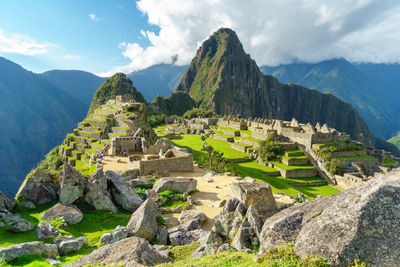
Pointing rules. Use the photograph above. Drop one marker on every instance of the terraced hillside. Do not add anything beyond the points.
(94, 134)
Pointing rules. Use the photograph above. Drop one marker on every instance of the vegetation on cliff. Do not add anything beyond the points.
(395, 140)
(176, 103)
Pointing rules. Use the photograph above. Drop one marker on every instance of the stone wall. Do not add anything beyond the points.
(126, 143)
(299, 173)
(182, 162)
(349, 180)
(368, 162)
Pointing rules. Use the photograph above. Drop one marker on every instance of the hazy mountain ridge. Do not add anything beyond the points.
(35, 116)
(366, 86)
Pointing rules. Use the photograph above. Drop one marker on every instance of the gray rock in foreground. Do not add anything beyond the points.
(39, 187)
(21, 226)
(132, 251)
(70, 213)
(121, 191)
(46, 230)
(143, 221)
(30, 248)
(7, 202)
(72, 185)
(360, 223)
(180, 185)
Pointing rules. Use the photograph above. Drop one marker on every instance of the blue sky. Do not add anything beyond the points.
(104, 37)
(73, 39)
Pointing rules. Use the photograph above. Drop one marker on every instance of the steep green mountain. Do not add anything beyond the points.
(35, 116)
(395, 140)
(223, 77)
(78, 83)
(372, 89)
(157, 80)
(176, 103)
(118, 84)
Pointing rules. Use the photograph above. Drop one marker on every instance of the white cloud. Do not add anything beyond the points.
(93, 17)
(72, 57)
(273, 32)
(21, 44)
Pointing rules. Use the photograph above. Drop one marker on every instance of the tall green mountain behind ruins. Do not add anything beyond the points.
(223, 77)
(118, 84)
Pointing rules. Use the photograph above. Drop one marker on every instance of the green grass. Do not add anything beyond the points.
(389, 161)
(294, 167)
(250, 138)
(295, 157)
(97, 143)
(86, 132)
(243, 145)
(108, 109)
(170, 204)
(89, 171)
(356, 157)
(278, 256)
(86, 138)
(119, 134)
(193, 142)
(90, 151)
(280, 184)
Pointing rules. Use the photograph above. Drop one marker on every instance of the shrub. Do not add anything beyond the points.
(198, 113)
(334, 166)
(269, 148)
(160, 220)
(156, 120)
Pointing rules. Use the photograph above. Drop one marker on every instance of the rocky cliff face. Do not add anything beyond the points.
(223, 77)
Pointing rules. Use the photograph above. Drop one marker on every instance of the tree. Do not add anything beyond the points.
(269, 148)
(206, 147)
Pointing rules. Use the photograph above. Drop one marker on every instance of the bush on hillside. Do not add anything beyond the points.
(334, 166)
(269, 148)
(198, 113)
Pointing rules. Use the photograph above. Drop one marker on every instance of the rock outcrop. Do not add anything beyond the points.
(360, 223)
(180, 185)
(257, 194)
(72, 185)
(143, 222)
(130, 252)
(30, 248)
(191, 219)
(122, 193)
(21, 226)
(97, 195)
(72, 245)
(39, 187)
(7, 202)
(118, 234)
(70, 213)
(46, 230)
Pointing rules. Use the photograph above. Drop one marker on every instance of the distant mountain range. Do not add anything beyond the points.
(373, 89)
(35, 114)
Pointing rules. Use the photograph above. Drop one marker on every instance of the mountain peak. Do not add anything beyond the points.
(118, 84)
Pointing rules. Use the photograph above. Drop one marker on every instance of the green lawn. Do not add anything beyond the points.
(281, 184)
(356, 157)
(93, 226)
(389, 161)
(295, 167)
(193, 142)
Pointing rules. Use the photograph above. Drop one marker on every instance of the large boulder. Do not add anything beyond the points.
(191, 219)
(248, 233)
(118, 234)
(97, 195)
(180, 185)
(30, 248)
(143, 222)
(129, 252)
(360, 223)
(21, 226)
(70, 213)
(257, 194)
(180, 236)
(46, 230)
(226, 225)
(121, 191)
(72, 245)
(7, 202)
(72, 185)
(38, 187)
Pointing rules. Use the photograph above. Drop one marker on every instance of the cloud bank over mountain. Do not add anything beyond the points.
(273, 32)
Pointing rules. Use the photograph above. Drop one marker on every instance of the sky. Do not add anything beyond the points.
(108, 36)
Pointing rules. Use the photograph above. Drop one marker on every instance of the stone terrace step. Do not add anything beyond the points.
(90, 128)
(101, 117)
(107, 111)
(120, 130)
(294, 153)
(295, 161)
(95, 135)
(97, 123)
(115, 135)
